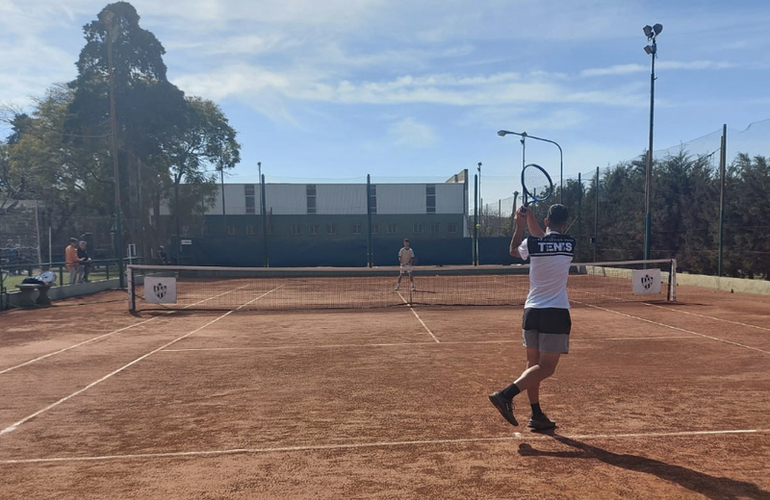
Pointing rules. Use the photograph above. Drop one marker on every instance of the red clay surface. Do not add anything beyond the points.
(654, 401)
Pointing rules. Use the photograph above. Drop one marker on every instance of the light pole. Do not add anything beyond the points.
(263, 209)
(524, 135)
(481, 199)
(113, 30)
(652, 33)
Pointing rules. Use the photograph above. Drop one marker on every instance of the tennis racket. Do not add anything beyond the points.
(536, 184)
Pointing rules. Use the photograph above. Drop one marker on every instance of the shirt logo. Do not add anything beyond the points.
(555, 246)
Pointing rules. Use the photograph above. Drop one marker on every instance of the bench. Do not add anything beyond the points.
(27, 298)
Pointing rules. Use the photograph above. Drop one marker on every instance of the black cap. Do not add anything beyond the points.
(557, 214)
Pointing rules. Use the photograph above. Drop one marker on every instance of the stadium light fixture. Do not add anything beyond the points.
(651, 32)
(524, 135)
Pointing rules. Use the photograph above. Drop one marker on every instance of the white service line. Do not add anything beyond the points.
(40, 358)
(709, 317)
(15, 425)
(517, 436)
(409, 344)
(681, 329)
(423, 323)
(411, 308)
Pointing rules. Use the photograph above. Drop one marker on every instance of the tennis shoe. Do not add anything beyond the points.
(504, 406)
(541, 423)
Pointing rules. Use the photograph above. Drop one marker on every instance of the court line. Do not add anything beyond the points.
(411, 308)
(407, 344)
(709, 317)
(6, 370)
(167, 312)
(15, 425)
(517, 436)
(725, 341)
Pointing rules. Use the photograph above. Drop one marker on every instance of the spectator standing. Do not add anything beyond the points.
(84, 261)
(71, 259)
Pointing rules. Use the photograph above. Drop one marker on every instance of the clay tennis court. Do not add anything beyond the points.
(655, 400)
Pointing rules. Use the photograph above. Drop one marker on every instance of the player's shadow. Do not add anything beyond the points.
(717, 488)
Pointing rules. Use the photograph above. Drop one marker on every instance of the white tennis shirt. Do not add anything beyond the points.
(550, 258)
(405, 256)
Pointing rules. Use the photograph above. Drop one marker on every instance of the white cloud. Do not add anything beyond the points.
(625, 69)
(409, 132)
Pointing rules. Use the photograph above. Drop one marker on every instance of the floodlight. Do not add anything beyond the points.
(649, 49)
(657, 28)
(648, 31)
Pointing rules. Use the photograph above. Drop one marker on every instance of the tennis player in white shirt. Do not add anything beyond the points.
(405, 261)
(546, 323)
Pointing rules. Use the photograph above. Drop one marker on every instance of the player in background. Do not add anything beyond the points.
(405, 261)
(546, 323)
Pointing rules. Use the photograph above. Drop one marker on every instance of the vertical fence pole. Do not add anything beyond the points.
(475, 255)
(369, 257)
(722, 168)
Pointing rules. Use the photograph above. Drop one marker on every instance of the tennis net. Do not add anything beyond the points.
(241, 288)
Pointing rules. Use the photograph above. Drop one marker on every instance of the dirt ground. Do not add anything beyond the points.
(655, 400)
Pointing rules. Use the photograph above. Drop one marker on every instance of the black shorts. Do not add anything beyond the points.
(549, 320)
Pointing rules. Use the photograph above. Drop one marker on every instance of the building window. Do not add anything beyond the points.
(250, 229)
(430, 198)
(373, 198)
(392, 228)
(356, 229)
(451, 228)
(434, 228)
(312, 229)
(311, 199)
(296, 229)
(375, 229)
(231, 230)
(417, 229)
(250, 201)
(331, 228)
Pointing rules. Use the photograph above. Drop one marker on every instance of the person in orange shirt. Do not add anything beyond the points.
(71, 257)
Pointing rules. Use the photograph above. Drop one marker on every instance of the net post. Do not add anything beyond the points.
(131, 289)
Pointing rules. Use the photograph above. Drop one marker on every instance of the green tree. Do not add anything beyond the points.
(68, 179)
(747, 230)
(205, 145)
(162, 136)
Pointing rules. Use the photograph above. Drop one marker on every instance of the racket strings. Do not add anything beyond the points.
(536, 183)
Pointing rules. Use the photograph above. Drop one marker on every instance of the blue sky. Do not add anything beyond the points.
(337, 89)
